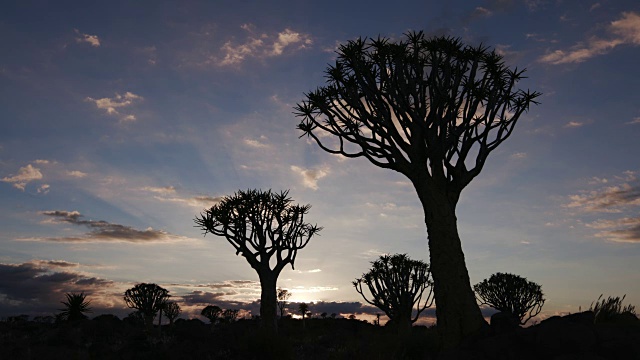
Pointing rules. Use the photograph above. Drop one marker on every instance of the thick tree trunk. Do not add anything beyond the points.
(457, 312)
(268, 302)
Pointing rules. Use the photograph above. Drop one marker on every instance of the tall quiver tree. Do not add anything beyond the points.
(148, 299)
(268, 230)
(397, 285)
(431, 109)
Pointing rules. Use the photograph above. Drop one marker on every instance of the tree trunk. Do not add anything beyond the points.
(458, 314)
(268, 302)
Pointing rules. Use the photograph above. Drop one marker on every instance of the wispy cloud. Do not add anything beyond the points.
(634, 121)
(77, 174)
(257, 143)
(93, 40)
(624, 31)
(261, 45)
(574, 124)
(310, 177)
(25, 175)
(609, 199)
(625, 230)
(163, 190)
(111, 105)
(518, 155)
(103, 231)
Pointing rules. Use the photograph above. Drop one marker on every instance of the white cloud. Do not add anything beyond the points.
(262, 45)
(91, 39)
(310, 177)
(518, 155)
(594, 6)
(634, 121)
(24, 176)
(624, 31)
(254, 143)
(77, 174)
(111, 105)
(41, 162)
(44, 189)
(574, 124)
(163, 190)
(625, 230)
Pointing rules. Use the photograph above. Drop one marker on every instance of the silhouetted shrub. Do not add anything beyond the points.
(606, 310)
(511, 293)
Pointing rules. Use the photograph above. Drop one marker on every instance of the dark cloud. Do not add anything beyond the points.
(198, 297)
(56, 263)
(103, 231)
(33, 288)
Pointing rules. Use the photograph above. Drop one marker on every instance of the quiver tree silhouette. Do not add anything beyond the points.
(303, 308)
(229, 315)
(265, 227)
(148, 299)
(397, 285)
(283, 296)
(431, 109)
(74, 308)
(171, 311)
(511, 293)
(213, 313)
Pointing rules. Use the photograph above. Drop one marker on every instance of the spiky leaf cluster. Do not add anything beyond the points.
(511, 293)
(75, 307)
(607, 309)
(147, 298)
(397, 285)
(260, 224)
(416, 103)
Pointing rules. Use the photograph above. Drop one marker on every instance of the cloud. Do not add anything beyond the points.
(310, 177)
(77, 174)
(36, 287)
(610, 199)
(195, 201)
(90, 39)
(44, 189)
(518, 155)
(624, 230)
(111, 105)
(262, 46)
(574, 124)
(256, 143)
(624, 31)
(164, 190)
(102, 230)
(634, 121)
(23, 177)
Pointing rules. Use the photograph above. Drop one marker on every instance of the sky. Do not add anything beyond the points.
(121, 121)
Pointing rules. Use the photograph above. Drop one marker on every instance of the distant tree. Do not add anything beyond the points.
(323, 315)
(229, 315)
(148, 299)
(213, 313)
(265, 228)
(511, 293)
(283, 296)
(397, 285)
(431, 109)
(303, 308)
(171, 311)
(333, 315)
(75, 307)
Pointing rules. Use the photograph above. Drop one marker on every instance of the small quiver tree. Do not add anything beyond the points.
(283, 296)
(171, 311)
(213, 313)
(397, 285)
(268, 230)
(148, 299)
(74, 308)
(511, 293)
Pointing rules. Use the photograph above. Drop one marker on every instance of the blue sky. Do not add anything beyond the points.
(120, 122)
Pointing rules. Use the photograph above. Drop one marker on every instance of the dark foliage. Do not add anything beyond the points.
(74, 308)
(511, 293)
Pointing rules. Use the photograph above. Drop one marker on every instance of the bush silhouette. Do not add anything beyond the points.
(511, 293)
(606, 310)
(397, 285)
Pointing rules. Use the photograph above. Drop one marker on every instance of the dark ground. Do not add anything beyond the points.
(107, 337)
